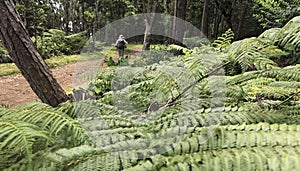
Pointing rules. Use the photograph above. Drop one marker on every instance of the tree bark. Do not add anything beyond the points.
(26, 57)
(204, 23)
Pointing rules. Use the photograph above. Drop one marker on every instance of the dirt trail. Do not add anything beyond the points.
(15, 91)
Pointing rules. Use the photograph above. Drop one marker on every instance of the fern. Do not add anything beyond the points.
(270, 34)
(288, 37)
(251, 54)
(17, 137)
(222, 42)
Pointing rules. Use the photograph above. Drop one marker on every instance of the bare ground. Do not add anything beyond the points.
(15, 90)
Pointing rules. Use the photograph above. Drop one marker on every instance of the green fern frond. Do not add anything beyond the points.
(178, 48)
(288, 37)
(222, 42)
(49, 119)
(270, 34)
(234, 142)
(251, 54)
(245, 159)
(284, 74)
(19, 138)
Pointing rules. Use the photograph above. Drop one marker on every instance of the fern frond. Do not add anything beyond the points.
(284, 74)
(270, 34)
(222, 42)
(19, 137)
(49, 119)
(251, 54)
(263, 158)
(288, 37)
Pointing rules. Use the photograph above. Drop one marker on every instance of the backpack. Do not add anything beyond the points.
(121, 44)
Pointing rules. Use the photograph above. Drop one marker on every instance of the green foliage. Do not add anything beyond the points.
(4, 57)
(56, 42)
(195, 42)
(155, 55)
(173, 49)
(3, 51)
(110, 62)
(102, 83)
(271, 13)
(122, 62)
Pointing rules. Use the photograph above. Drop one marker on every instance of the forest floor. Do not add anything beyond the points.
(15, 90)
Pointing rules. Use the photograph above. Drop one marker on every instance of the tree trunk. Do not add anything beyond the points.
(149, 10)
(242, 19)
(149, 22)
(175, 19)
(204, 23)
(178, 28)
(67, 17)
(167, 6)
(217, 21)
(82, 13)
(17, 41)
(95, 24)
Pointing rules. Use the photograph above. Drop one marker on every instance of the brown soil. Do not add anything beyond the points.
(15, 90)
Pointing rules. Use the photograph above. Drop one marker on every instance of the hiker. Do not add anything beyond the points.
(121, 45)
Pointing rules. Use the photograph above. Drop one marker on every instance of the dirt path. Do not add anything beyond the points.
(15, 91)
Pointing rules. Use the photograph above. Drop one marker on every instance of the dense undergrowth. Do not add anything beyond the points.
(229, 106)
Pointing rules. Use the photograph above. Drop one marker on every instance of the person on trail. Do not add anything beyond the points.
(121, 45)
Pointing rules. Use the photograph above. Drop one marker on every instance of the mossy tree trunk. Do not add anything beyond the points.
(26, 57)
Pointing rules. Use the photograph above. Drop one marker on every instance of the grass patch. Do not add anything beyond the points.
(10, 68)
(61, 61)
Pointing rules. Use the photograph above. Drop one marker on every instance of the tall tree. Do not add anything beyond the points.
(23, 52)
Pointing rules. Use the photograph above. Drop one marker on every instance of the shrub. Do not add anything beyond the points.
(55, 42)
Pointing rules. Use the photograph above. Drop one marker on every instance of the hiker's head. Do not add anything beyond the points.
(121, 37)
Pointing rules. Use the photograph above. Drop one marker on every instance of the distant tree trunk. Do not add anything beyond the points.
(95, 24)
(217, 21)
(149, 11)
(83, 17)
(178, 28)
(204, 23)
(67, 17)
(242, 19)
(226, 11)
(17, 41)
(149, 22)
(167, 6)
(175, 19)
